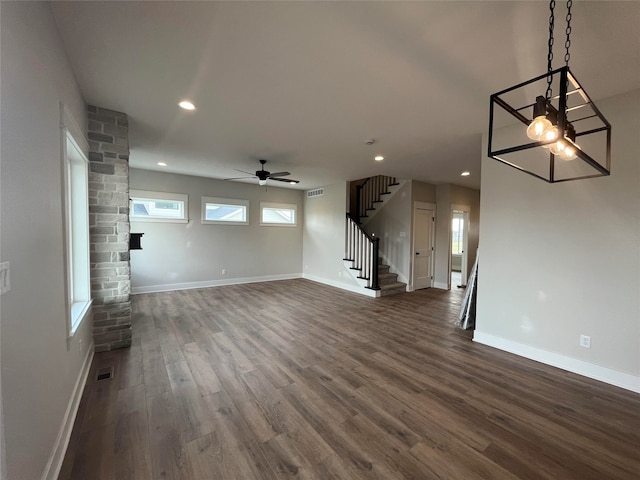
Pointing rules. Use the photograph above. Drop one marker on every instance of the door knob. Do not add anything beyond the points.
(417, 253)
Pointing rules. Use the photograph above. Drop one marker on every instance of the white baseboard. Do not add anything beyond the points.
(56, 458)
(590, 370)
(351, 288)
(443, 286)
(211, 283)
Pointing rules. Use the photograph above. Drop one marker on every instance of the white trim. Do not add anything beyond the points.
(170, 287)
(586, 369)
(75, 222)
(67, 121)
(343, 286)
(54, 464)
(443, 286)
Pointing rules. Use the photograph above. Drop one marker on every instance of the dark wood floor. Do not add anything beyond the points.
(293, 379)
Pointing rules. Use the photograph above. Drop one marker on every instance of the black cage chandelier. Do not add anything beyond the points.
(557, 137)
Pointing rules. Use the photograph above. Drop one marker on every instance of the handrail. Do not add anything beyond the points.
(363, 251)
(369, 192)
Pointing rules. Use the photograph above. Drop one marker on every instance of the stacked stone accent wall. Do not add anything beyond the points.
(108, 134)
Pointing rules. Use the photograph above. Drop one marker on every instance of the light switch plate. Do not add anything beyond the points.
(5, 279)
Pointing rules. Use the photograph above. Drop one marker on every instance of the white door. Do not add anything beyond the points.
(423, 222)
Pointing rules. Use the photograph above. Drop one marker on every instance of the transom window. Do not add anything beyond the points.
(283, 214)
(217, 210)
(147, 206)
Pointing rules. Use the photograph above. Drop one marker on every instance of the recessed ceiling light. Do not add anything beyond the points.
(162, 164)
(378, 158)
(465, 174)
(187, 105)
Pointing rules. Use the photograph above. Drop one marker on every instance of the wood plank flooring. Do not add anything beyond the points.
(294, 379)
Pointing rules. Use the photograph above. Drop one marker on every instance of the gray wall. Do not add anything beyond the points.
(447, 197)
(40, 368)
(178, 255)
(562, 260)
(324, 238)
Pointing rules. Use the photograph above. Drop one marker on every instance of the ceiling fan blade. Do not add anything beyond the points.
(248, 173)
(287, 180)
(238, 178)
(279, 174)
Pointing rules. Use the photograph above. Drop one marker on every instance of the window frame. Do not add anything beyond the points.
(457, 235)
(231, 202)
(75, 208)
(152, 195)
(282, 206)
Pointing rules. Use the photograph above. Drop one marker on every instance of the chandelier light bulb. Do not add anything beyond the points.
(549, 135)
(558, 147)
(569, 153)
(537, 127)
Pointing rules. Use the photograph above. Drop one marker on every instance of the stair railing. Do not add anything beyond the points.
(370, 192)
(362, 250)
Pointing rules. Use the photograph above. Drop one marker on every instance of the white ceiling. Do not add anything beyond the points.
(303, 84)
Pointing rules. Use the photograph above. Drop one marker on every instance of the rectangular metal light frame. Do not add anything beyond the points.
(565, 77)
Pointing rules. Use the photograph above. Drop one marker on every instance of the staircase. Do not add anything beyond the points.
(362, 249)
(388, 282)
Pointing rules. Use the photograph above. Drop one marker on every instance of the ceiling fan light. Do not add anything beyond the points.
(186, 105)
(262, 182)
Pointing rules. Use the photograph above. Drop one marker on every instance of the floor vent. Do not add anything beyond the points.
(318, 192)
(104, 374)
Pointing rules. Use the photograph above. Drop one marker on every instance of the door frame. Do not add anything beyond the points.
(466, 209)
(423, 206)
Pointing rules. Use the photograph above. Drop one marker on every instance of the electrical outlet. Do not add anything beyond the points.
(5, 279)
(585, 341)
(224, 271)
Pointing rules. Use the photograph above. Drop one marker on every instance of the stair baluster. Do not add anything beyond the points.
(362, 250)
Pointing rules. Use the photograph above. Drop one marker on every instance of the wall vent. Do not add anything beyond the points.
(318, 192)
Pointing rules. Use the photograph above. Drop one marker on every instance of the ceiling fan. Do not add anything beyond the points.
(263, 175)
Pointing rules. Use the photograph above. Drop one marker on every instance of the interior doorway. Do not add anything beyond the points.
(458, 248)
(424, 216)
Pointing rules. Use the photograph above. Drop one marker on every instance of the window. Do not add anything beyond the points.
(76, 223)
(225, 211)
(283, 214)
(158, 207)
(457, 233)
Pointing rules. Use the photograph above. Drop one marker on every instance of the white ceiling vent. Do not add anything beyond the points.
(318, 192)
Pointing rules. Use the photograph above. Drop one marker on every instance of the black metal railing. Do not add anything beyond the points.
(362, 250)
(370, 192)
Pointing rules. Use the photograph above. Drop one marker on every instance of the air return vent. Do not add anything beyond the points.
(318, 192)
(104, 374)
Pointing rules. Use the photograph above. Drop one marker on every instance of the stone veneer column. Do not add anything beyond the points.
(109, 228)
